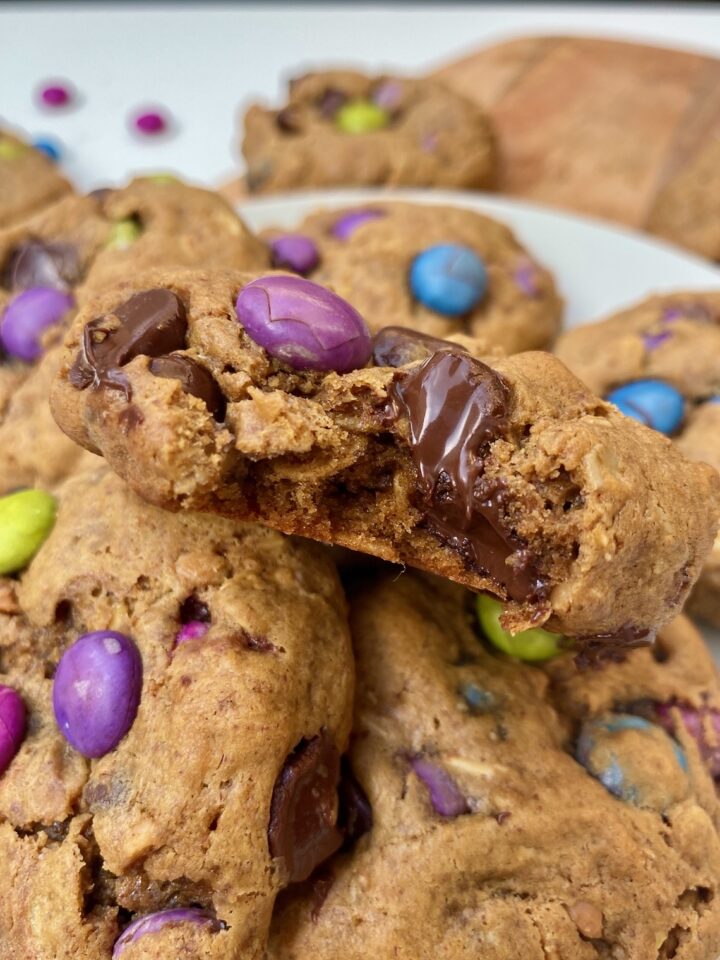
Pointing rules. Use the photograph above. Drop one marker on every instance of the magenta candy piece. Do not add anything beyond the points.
(191, 631)
(387, 94)
(445, 795)
(653, 340)
(27, 315)
(153, 922)
(526, 277)
(293, 251)
(303, 324)
(696, 723)
(347, 224)
(56, 95)
(12, 725)
(150, 123)
(96, 691)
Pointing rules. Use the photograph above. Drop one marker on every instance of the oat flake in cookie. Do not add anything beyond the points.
(387, 259)
(512, 811)
(216, 739)
(507, 475)
(340, 128)
(659, 361)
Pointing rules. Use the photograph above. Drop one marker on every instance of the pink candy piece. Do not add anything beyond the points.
(191, 631)
(702, 725)
(56, 95)
(150, 123)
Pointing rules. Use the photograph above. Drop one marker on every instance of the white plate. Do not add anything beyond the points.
(599, 268)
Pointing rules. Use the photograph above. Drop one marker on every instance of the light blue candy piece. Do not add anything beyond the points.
(653, 402)
(599, 733)
(448, 278)
(51, 148)
(477, 699)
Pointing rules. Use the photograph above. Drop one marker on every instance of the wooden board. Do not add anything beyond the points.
(598, 126)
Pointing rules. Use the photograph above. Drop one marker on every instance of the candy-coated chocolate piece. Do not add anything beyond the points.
(56, 94)
(532, 645)
(27, 316)
(346, 225)
(51, 148)
(445, 795)
(124, 233)
(361, 116)
(655, 403)
(12, 725)
(294, 251)
(26, 519)
(154, 922)
(448, 278)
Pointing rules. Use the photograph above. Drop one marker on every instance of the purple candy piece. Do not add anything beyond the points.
(526, 278)
(96, 691)
(696, 722)
(150, 123)
(304, 324)
(445, 795)
(153, 922)
(429, 142)
(347, 224)
(27, 315)
(55, 95)
(653, 340)
(293, 251)
(388, 94)
(12, 725)
(191, 631)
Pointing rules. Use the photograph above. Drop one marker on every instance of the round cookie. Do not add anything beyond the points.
(29, 180)
(78, 246)
(370, 256)
(224, 789)
(485, 825)
(673, 339)
(343, 128)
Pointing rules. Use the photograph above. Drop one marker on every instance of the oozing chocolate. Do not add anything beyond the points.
(303, 813)
(35, 263)
(194, 379)
(396, 346)
(456, 406)
(152, 324)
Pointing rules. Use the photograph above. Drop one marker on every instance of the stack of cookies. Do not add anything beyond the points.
(338, 617)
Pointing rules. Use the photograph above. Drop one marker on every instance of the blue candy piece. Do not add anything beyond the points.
(50, 148)
(448, 278)
(477, 699)
(633, 779)
(653, 402)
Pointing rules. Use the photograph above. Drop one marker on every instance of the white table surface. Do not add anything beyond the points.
(202, 62)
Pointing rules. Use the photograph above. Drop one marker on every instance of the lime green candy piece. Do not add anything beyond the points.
(26, 519)
(533, 645)
(361, 116)
(124, 233)
(162, 178)
(11, 149)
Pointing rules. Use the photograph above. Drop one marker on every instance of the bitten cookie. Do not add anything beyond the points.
(659, 361)
(29, 180)
(439, 270)
(506, 811)
(343, 128)
(175, 692)
(54, 260)
(506, 475)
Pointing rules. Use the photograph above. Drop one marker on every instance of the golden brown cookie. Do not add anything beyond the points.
(343, 128)
(507, 475)
(28, 180)
(663, 355)
(224, 788)
(369, 255)
(504, 810)
(79, 245)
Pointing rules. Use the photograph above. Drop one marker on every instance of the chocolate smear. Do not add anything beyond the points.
(152, 323)
(397, 346)
(303, 812)
(35, 263)
(194, 379)
(456, 407)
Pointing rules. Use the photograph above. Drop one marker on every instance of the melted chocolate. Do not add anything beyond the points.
(194, 379)
(35, 263)
(397, 346)
(303, 812)
(193, 608)
(456, 406)
(152, 323)
(601, 648)
(355, 817)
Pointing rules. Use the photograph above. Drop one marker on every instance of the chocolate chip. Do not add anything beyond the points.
(194, 609)
(456, 407)
(302, 830)
(35, 263)
(397, 346)
(330, 102)
(355, 817)
(289, 120)
(194, 379)
(152, 323)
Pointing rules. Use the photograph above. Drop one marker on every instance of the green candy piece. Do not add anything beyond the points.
(26, 519)
(533, 645)
(10, 150)
(124, 233)
(361, 116)
(162, 178)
